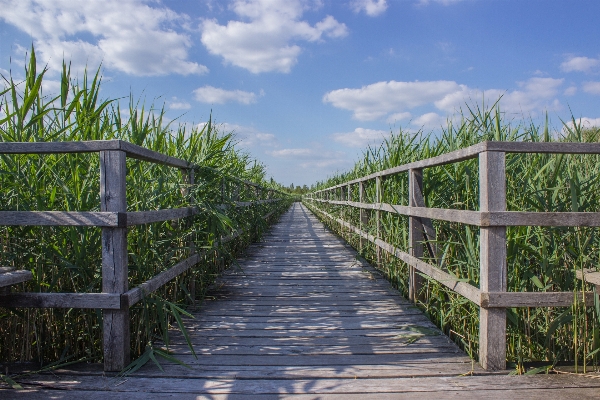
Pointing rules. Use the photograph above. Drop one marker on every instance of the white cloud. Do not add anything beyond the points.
(383, 98)
(570, 91)
(310, 158)
(212, 95)
(249, 136)
(591, 87)
(128, 36)
(266, 40)
(429, 121)
(360, 137)
(371, 7)
(398, 117)
(580, 64)
(584, 122)
(176, 104)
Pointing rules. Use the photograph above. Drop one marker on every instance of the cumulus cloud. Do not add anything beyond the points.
(570, 91)
(372, 8)
(360, 137)
(429, 120)
(249, 136)
(378, 99)
(398, 117)
(396, 98)
(128, 36)
(591, 87)
(176, 104)
(213, 95)
(580, 64)
(265, 39)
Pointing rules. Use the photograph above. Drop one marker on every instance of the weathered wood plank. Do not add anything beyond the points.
(13, 277)
(493, 270)
(116, 332)
(63, 218)
(62, 300)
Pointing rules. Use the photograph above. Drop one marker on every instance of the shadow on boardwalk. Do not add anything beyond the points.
(302, 317)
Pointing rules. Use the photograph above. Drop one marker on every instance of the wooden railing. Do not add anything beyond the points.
(113, 218)
(492, 218)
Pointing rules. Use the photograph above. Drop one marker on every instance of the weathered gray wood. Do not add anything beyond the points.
(378, 199)
(493, 270)
(8, 278)
(62, 218)
(363, 216)
(141, 153)
(533, 299)
(591, 276)
(114, 260)
(62, 300)
(136, 294)
(148, 217)
(523, 387)
(416, 233)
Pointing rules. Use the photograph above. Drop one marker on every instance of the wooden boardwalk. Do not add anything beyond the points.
(302, 317)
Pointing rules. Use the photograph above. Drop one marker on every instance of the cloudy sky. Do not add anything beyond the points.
(306, 85)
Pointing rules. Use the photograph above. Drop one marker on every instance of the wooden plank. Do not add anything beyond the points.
(435, 387)
(136, 294)
(61, 300)
(416, 233)
(116, 334)
(493, 269)
(591, 276)
(13, 277)
(58, 147)
(522, 218)
(148, 217)
(63, 218)
(141, 153)
(533, 299)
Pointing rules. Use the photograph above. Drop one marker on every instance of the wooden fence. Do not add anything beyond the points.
(113, 218)
(492, 218)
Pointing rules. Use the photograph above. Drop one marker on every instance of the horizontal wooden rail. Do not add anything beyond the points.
(106, 218)
(492, 218)
(481, 218)
(474, 150)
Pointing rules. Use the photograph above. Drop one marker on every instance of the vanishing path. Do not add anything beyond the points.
(301, 315)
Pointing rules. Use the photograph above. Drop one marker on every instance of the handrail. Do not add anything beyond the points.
(492, 218)
(113, 218)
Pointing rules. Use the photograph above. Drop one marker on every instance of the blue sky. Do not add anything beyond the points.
(306, 85)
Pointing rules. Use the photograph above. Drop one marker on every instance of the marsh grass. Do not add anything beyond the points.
(539, 258)
(68, 259)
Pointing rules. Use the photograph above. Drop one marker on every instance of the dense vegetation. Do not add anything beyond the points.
(539, 258)
(68, 259)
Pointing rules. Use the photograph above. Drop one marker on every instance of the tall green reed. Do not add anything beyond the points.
(68, 259)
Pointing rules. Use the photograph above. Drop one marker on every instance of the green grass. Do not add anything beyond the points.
(539, 258)
(68, 259)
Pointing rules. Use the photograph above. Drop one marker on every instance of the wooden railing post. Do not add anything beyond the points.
(188, 176)
(363, 218)
(114, 260)
(493, 271)
(378, 199)
(415, 231)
